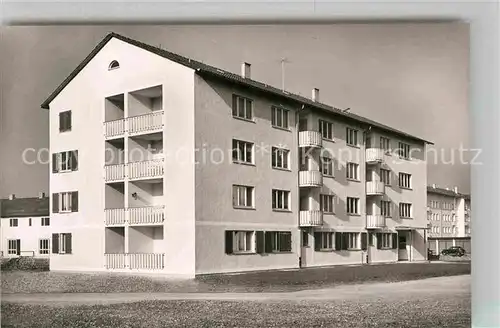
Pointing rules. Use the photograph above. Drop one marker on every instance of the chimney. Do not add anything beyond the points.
(41, 195)
(12, 196)
(315, 94)
(245, 70)
(434, 185)
(456, 190)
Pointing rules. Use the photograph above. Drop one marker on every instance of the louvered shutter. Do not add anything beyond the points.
(317, 241)
(338, 241)
(229, 242)
(55, 243)
(268, 242)
(68, 243)
(55, 203)
(364, 241)
(394, 241)
(379, 240)
(260, 241)
(55, 164)
(74, 201)
(74, 160)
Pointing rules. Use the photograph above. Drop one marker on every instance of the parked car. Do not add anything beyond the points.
(454, 251)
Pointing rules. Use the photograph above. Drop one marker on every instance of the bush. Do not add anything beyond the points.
(25, 264)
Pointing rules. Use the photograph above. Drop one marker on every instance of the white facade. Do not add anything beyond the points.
(155, 186)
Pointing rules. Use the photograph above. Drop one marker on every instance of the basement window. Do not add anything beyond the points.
(113, 65)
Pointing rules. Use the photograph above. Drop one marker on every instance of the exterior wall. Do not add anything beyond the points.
(85, 97)
(438, 215)
(29, 235)
(215, 129)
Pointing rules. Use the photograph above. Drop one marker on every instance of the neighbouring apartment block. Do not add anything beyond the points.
(448, 212)
(164, 164)
(25, 226)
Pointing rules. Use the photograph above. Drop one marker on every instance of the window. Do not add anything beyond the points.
(326, 203)
(404, 150)
(280, 117)
(29, 222)
(352, 171)
(351, 240)
(370, 239)
(352, 205)
(244, 241)
(352, 137)
(280, 199)
(385, 177)
(278, 241)
(385, 208)
(45, 222)
(243, 196)
(325, 240)
(386, 240)
(14, 247)
(65, 202)
(43, 247)
(280, 158)
(13, 222)
(405, 210)
(305, 238)
(61, 243)
(242, 152)
(385, 144)
(326, 129)
(242, 107)
(405, 180)
(65, 121)
(327, 166)
(113, 65)
(65, 161)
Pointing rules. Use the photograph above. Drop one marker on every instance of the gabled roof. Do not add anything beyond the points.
(24, 207)
(445, 192)
(210, 71)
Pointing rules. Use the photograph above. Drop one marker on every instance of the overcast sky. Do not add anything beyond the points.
(410, 76)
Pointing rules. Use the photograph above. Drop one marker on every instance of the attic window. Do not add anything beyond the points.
(114, 65)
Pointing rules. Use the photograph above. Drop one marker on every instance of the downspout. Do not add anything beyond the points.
(297, 119)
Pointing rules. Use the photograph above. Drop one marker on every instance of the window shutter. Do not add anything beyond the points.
(338, 241)
(68, 120)
(394, 241)
(268, 244)
(235, 105)
(379, 240)
(61, 122)
(55, 164)
(260, 241)
(55, 203)
(18, 246)
(229, 242)
(286, 244)
(74, 160)
(68, 243)
(317, 241)
(345, 241)
(74, 201)
(364, 241)
(55, 243)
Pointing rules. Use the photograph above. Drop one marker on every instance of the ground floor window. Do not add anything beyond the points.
(257, 242)
(278, 241)
(43, 246)
(244, 241)
(61, 243)
(352, 240)
(324, 240)
(305, 238)
(14, 246)
(387, 240)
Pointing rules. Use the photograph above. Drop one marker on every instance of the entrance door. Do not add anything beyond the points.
(403, 246)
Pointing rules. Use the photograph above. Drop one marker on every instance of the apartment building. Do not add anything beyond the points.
(164, 164)
(25, 226)
(448, 212)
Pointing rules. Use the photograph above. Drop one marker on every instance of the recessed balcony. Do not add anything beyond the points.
(374, 155)
(114, 216)
(310, 139)
(146, 215)
(375, 188)
(146, 169)
(310, 218)
(114, 172)
(134, 261)
(375, 221)
(145, 123)
(114, 129)
(310, 179)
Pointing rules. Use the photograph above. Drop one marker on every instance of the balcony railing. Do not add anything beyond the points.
(374, 155)
(150, 214)
(135, 261)
(310, 139)
(310, 179)
(310, 218)
(375, 221)
(114, 128)
(146, 169)
(114, 216)
(114, 172)
(375, 188)
(146, 122)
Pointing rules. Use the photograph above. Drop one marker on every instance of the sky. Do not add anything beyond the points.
(413, 77)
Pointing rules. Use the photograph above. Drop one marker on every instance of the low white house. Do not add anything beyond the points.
(25, 226)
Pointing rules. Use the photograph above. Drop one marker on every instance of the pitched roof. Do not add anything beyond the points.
(210, 71)
(445, 192)
(24, 207)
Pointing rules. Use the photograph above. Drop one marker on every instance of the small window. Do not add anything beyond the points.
(326, 203)
(13, 222)
(352, 171)
(280, 158)
(14, 247)
(352, 137)
(44, 246)
(352, 205)
(61, 243)
(242, 107)
(385, 177)
(65, 121)
(327, 166)
(404, 150)
(45, 222)
(405, 210)
(326, 129)
(114, 65)
(280, 118)
(385, 144)
(242, 152)
(405, 180)
(352, 240)
(386, 240)
(305, 238)
(280, 199)
(244, 241)
(243, 196)
(385, 208)
(371, 239)
(325, 240)
(29, 222)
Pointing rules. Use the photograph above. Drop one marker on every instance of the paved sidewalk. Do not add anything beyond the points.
(452, 285)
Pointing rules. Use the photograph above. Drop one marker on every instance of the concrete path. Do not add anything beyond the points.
(424, 288)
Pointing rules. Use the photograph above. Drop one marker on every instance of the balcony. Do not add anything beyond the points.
(146, 215)
(374, 155)
(375, 188)
(114, 172)
(146, 169)
(310, 179)
(310, 139)
(310, 218)
(146, 123)
(375, 221)
(135, 261)
(114, 216)
(114, 129)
